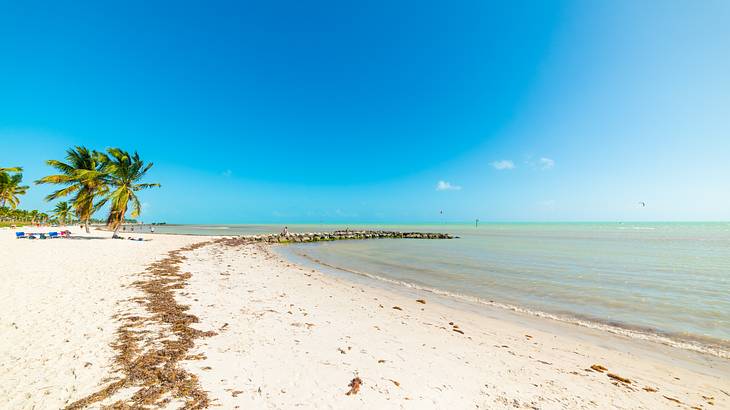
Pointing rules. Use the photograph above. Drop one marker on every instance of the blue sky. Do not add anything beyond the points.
(291, 111)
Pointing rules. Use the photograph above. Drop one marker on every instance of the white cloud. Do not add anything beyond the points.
(447, 186)
(546, 163)
(227, 173)
(503, 164)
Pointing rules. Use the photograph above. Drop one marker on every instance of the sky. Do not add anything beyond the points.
(381, 111)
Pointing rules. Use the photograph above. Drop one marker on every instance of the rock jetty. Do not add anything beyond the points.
(342, 235)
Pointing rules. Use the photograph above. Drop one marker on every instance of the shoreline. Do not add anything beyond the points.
(285, 335)
(360, 318)
(709, 346)
(597, 276)
(669, 353)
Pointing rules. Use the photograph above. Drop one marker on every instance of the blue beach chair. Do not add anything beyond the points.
(20, 235)
(53, 235)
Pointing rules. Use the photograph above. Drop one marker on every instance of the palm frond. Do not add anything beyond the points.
(55, 179)
(136, 206)
(62, 192)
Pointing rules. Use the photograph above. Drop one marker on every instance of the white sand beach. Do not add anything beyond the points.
(59, 299)
(286, 336)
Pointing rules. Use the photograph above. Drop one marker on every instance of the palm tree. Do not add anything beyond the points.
(15, 215)
(62, 212)
(123, 174)
(12, 169)
(83, 176)
(10, 188)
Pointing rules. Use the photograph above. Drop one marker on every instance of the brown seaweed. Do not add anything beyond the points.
(619, 378)
(149, 360)
(354, 386)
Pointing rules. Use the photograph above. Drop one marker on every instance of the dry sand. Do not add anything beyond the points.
(289, 337)
(58, 299)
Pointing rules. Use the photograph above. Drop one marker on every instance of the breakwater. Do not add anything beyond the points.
(297, 237)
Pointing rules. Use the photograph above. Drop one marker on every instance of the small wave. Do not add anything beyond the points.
(711, 348)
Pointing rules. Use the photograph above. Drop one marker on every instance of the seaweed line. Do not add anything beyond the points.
(148, 349)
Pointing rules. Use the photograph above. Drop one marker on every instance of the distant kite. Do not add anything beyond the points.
(441, 212)
(643, 204)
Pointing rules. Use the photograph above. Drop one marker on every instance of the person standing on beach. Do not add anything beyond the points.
(285, 231)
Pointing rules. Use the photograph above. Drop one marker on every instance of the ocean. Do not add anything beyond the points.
(663, 281)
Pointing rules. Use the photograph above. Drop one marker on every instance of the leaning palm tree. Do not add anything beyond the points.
(123, 174)
(83, 175)
(62, 212)
(11, 188)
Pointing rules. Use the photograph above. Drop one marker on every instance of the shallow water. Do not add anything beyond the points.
(665, 279)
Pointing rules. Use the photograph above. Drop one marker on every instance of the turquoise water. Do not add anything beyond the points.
(670, 280)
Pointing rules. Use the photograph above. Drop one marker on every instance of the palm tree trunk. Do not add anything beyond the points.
(86, 224)
(119, 223)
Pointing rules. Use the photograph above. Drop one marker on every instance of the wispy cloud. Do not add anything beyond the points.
(546, 163)
(227, 173)
(447, 186)
(503, 165)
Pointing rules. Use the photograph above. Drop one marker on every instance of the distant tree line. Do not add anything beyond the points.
(90, 179)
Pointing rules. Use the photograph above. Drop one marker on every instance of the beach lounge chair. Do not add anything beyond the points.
(20, 235)
(53, 235)
(42, 236)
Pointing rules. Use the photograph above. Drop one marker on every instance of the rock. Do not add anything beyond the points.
(342, 235)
